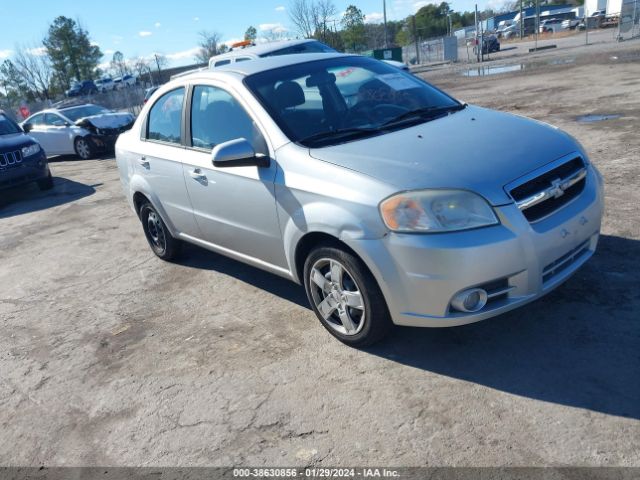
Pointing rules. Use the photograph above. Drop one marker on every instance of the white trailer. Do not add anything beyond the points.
(614, 7)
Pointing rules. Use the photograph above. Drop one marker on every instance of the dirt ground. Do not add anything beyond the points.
(110, 356)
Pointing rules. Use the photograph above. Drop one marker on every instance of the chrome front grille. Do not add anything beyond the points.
(564, 261)
(10, 158)
(546, 193)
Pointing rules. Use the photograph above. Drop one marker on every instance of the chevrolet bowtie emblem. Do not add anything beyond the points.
(557, 188)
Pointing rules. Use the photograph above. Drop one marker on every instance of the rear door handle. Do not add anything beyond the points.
(197, 174)
(143, 162)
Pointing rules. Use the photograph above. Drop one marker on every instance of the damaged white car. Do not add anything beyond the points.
(84, 130)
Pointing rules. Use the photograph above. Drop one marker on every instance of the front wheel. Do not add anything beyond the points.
(160, 240)
(345, 297)
(46, 183)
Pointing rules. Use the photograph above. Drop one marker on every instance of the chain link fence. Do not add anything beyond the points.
(129, 99)
(433, 50)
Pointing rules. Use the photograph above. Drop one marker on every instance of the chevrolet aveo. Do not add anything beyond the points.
(389, 200)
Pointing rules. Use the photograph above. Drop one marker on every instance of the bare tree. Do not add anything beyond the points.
(274, 35)
(141, 66)
(312, 18)
(302, 16)
(118, 64)
(34, 69)
(209, 45)
(323, 12)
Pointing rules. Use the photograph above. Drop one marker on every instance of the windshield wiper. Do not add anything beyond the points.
(425, 113)
(354, 132)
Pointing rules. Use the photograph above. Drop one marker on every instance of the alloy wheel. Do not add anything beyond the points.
(337, 296)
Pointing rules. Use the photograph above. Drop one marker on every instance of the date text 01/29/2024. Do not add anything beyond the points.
(315, 472)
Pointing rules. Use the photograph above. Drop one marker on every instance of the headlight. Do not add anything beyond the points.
(436, 211)
(30, 150)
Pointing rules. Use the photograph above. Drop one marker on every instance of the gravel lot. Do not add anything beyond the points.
(110, 356)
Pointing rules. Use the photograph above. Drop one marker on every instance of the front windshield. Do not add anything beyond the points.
(330, 101)
(76, 113)
(8, 126)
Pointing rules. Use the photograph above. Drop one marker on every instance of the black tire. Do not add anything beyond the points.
(46, 183)
(375, 318)
(160, 240)
(83, 148)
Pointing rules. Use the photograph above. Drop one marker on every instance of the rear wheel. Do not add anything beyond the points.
(160, 240)
(83, 148)
(345, 297)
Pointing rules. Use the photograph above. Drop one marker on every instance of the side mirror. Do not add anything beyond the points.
(237, 153)
(27, 127)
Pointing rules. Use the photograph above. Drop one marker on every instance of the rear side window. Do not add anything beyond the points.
(222, 62)
(53, 120)
(37, 119)
(165, 117)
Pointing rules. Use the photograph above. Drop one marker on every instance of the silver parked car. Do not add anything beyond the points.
(392, 202)
(81, 129)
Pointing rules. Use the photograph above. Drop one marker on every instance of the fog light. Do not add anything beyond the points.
(470, 301)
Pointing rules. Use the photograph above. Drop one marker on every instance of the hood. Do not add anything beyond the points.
(13, 141)
(108, 120)
(473, 149)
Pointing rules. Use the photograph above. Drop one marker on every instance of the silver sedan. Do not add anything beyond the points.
(389, 200)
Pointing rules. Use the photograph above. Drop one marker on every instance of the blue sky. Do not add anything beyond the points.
(141, 27)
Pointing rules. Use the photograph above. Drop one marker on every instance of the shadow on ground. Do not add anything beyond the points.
(578, 346)
(28, 198)
(196, 257)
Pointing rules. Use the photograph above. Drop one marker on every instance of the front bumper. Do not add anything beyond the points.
(27, 171)
(103, 142)
(419, 274)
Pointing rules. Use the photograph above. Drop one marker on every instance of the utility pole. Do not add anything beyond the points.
(384, 13)
(521, 21)
(537, 23)
(415, 37)
(478, 37)
(586, 25)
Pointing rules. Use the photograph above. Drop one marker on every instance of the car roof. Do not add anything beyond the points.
(269, 63)
(262, 48)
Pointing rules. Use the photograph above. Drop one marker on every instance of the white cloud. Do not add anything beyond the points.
(373, 17)
(280, 8)
(272, 27)
(399, 9)
(183, 54)
(94, 44)
(38, 51)
(145, 33)
(109, 52)
(5, 53)
(196, 19)
(157, 24)
(117, 39)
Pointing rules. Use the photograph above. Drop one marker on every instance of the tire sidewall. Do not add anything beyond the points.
(376, 314)
(146, 209)
(88, 142)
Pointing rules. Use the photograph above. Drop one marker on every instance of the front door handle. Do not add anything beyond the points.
(197, 174)
(143, 162)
